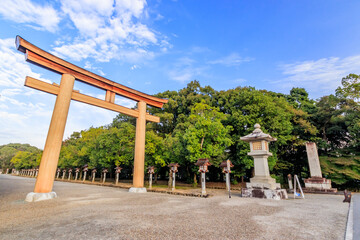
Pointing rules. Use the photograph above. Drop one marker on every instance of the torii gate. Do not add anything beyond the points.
(65, 93)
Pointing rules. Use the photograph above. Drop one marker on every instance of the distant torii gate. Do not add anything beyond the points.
(65, 93)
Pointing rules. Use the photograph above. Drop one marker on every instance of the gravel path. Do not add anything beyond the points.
(95, 212)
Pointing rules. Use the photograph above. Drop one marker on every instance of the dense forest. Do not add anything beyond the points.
(200, 122)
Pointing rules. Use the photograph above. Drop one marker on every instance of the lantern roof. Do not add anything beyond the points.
(203, 162)
(224, 163)
(173, 165)
(257, 134)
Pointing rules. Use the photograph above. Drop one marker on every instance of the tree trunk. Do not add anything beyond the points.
(195, 179)
(155, 178)
(170, 180)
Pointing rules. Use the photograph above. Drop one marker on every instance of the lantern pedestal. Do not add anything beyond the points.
(262, 178)
(263, 182)
(137, 190)
(318, 185)
(35, 197)
(275, 194)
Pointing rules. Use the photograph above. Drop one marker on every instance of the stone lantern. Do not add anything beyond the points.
(93, 172)
(85, 169)
(151, 171)
(58, 173)
(117, 171)
(70, 172)
(64, 173)
(262, 185)
(173, 169)
(203, 164)
(104, 171)
(226, 165)
(77, 170)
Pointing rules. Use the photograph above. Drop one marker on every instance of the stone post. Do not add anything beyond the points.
(63, 176)
(139, 157)
(117, 171)
(93, 175)
(104, 173)
(85, 171)
(117, 179)
(50, 157)
(203, 187)
(150, 181)
(76, 173)
(70, 171)
(313, 159)
(173, 181)
(316, 181)
(227, 175)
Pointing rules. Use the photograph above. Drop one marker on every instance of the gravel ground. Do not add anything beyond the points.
(94, 212)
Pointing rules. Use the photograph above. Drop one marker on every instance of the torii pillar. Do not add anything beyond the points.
(49, 160)
(139, 156)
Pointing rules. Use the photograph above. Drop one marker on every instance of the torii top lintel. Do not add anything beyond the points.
(46, 60)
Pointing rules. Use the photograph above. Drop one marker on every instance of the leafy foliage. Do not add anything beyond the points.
(199, 122)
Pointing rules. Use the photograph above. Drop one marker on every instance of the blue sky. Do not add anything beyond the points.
(155, 45)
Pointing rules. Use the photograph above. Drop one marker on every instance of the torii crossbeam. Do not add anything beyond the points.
(65, 93)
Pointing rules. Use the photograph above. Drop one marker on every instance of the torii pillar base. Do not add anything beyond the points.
(35, 197)
(137, 190)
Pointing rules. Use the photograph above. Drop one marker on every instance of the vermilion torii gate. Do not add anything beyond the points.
(65, 93)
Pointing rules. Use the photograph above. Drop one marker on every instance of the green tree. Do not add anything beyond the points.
(8, 151)
(26, 160)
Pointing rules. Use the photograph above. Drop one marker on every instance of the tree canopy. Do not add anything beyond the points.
(200, 122)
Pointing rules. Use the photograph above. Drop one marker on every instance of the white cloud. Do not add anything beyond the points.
(320, 76)
(13, 67)
(109, 30)
(185, 71)
(90, 67)
(133, 67)
(234, 59)
(43, 17)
